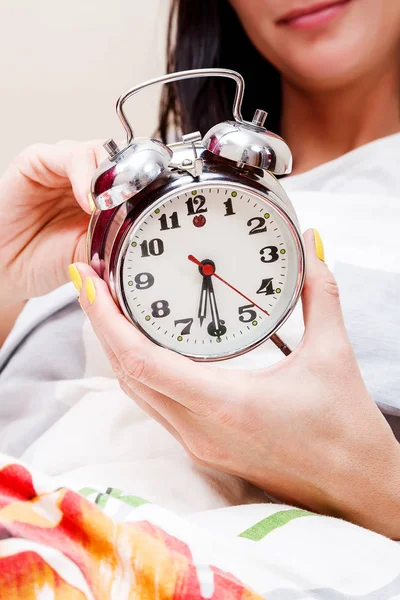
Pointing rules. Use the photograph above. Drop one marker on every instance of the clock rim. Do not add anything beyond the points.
(115, 275)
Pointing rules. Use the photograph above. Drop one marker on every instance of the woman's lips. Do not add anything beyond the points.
(314, 16)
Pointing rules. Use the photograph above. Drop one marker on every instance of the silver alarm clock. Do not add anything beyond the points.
(197, 240)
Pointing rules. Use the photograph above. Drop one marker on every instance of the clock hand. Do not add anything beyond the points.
(202, 312)
(210, 270)
(217, 327)
(275, 339)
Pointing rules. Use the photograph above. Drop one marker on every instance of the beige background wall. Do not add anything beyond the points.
(63, 64)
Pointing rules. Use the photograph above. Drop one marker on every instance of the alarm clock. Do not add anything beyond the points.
(197, 240)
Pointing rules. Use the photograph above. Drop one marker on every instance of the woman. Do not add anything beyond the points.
(305, 430)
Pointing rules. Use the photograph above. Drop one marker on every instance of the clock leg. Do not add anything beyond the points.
(279, 343)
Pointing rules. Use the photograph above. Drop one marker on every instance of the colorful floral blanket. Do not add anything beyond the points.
(57, 543)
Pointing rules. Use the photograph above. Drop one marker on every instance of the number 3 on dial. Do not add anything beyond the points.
(271, 252)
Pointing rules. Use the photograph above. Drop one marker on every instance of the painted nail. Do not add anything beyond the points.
(92, 205)
(90, 289)
(319, 246)
(75, 277)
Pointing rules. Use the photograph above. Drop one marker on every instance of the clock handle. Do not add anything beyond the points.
(179, 76)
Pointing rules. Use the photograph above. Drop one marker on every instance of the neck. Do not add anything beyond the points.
(321, 126)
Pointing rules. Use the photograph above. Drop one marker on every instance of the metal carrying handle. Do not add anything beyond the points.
(112, 148)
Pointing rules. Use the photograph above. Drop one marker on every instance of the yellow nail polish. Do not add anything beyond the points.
(92, 205)
(319, 246)
(90, 289)
(75, 277)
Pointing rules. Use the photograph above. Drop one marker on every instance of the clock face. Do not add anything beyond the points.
(210, 271)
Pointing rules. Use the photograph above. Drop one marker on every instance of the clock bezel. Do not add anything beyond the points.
(120, 250)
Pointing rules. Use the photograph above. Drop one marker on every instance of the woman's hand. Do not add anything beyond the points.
(42, 226)
(305, 430)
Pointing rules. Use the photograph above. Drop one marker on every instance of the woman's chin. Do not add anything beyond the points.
(325, 68)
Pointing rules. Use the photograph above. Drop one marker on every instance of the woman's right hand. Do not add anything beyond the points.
(44, 215)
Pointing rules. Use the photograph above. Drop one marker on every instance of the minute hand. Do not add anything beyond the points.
(274, 338)
(214, 274)
(216, 327)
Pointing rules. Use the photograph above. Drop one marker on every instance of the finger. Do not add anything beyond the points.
(168, 410)
(83, 162)
(64, 163)
(196, 386)
(322, 312)
(173, 412)
(142, 400)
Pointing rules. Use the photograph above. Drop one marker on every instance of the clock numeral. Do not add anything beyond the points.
(216, 330)
(195, 205)
(229, 208)
(260, 228)
(174, 222)
(247, 310)
(160, 309)
(153, 248)
(144, 281)
(272, 254)
(188, 323)
(266, 287)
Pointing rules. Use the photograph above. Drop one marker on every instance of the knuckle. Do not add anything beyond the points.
(325, 281)
(195, 451)
(343, 355)
(31, 151)
(330, 285)
(114, 362)
(115, 365)
(200, 451)
(199, 461)
(124, 387)
(94, 145)
(133, 365)
(336, 357)
(67, 143)
(204, 449)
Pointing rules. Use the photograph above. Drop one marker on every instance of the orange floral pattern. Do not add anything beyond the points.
(60, 544)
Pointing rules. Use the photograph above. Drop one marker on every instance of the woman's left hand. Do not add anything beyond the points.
(304, 430)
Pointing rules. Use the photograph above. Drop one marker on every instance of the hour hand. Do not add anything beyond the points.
(202, 313)
(217, 327)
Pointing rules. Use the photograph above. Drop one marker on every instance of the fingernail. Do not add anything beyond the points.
(319, 246)
(75, 277)
(90, 289)
(92, 205)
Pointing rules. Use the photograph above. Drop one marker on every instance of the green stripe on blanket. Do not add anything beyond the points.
(258, 531)
(103, 497)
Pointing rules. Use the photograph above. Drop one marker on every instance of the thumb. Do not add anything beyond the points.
(322, 312)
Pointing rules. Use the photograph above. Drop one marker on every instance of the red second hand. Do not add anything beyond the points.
(200, 264)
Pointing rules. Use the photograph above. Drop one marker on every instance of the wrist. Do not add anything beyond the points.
(368, 486)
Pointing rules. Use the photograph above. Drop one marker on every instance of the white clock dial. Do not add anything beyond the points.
(246, 284)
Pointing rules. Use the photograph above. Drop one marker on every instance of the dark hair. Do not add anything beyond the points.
(208, 33)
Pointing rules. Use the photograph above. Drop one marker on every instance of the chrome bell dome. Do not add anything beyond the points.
(125, 173)
(250, 144)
